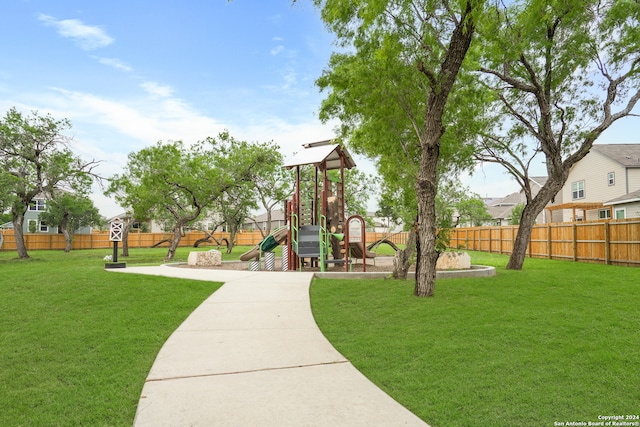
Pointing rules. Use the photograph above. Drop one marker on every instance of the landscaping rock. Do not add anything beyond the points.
(453, 261)
(205, 259)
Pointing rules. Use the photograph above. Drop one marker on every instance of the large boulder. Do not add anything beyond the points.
(453, 261)
(205, 259)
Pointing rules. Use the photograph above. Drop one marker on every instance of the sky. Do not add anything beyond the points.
(128, 73)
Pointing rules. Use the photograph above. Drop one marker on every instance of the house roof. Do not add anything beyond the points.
(627, 198)
(318, 152)
(500, 212)
(276, 215)
(627, 155)
(510, 200)
(501, 208)
(540, 180)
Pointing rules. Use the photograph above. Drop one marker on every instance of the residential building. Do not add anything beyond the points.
(604, 184)
(33, 223)
(260, 221)
(501, 209)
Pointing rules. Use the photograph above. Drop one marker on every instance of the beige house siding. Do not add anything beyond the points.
(633, 179)
(632, 210)
(594, 170)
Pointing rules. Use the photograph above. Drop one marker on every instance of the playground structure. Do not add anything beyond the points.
(317, 233)
(272, 241)
(318, 230)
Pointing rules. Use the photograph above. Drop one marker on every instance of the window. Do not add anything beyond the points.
(604, 213)
(577, 190)
(44, 228)
(32, 226)
(621, 213)
(38, 205)
(611, 178)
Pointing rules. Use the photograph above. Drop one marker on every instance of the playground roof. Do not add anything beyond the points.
(317, 153)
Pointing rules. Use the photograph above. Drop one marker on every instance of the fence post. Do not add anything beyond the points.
(490, 232)
(575, 242)
(549, 242)
(607, 241)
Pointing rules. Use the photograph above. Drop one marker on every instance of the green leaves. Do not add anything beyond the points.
(35, 158)
(177, 184)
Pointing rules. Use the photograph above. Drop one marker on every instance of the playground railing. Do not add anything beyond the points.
(324, 242)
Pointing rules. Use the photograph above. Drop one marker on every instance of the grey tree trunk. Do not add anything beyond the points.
(426, 188)
(125, 236)
(18, 223)
(529, 214)
(402, 258)
(173, 246)
(441, 83)
(68, 239)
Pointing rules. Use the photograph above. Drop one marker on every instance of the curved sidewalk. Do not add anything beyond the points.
(252, 355)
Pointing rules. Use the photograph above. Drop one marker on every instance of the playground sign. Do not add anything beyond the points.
(116, 231)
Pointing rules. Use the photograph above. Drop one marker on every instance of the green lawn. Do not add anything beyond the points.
(77, 342)
(555, 342)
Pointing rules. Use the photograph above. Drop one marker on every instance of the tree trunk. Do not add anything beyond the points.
(529, 214)
(18, 222)
(68, 238)
(125, 236)
(173, 246)
(426, 187)
(268, 228)
(441, 84)
(402, 258)
(232, 237)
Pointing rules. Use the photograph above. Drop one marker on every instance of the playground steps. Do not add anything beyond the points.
(308, 241)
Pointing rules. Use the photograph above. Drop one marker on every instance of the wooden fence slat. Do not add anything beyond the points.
(45, 241)
(609, 242)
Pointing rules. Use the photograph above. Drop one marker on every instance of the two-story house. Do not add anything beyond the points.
(33, 223)
(604, 184)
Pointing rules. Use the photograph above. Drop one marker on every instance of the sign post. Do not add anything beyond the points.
(116, 229)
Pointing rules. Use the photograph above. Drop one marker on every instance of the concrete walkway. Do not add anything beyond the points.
(252, 355)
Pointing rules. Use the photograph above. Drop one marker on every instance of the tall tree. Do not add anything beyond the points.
(562, 73)
(393, 92)
(69, 212)
(271, 183)
(166, 182)
(234, 207)
(177, 184)
(36, 158)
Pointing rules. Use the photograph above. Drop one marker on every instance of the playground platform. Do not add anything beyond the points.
(252, 354)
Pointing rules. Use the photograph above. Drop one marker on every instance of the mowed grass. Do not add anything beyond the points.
(555, 342)
(76, 341)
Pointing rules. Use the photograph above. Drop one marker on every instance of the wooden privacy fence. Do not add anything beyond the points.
(44, 241)
(608, 242)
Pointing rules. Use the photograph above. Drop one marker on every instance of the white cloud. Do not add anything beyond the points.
(114, 63)
(85, 36)
(276, 50)
(144, 120)
(156, 89)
